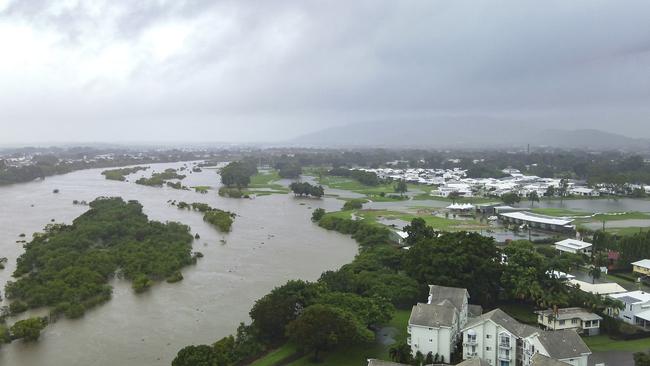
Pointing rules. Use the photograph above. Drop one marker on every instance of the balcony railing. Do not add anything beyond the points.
(471, 342)
(505, 345)
(504, 356)
(408, 341)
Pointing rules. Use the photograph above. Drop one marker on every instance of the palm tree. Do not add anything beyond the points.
(533, 197)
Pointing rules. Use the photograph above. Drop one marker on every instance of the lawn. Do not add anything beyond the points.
(263, 184)
(276, 355)
(603, 343)
(438, 223)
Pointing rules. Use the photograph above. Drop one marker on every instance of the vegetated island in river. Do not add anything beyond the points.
(220, 219)
(158, 179)
(67, 268)
(121, 173)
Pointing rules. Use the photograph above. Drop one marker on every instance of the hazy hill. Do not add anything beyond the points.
(464, 133)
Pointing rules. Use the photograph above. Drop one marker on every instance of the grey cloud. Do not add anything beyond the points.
(310, 64)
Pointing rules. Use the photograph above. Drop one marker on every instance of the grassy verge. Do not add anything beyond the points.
(602, 343)
(438, 223)
(276, 356)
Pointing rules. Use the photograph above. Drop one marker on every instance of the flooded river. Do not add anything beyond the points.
(272, 241)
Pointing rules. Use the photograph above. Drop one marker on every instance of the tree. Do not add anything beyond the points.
(533, 197)
(353, 204)
(418, 230)
(510, 198)
(550, 191)
(401, 187)
(563, 189)
(526, 276)
(317, 214)
(454, 196)
(457, 259)
(641, 359)
(323, 327)
(28, 330)
(202, 355)
(283, 304)
(401, 353)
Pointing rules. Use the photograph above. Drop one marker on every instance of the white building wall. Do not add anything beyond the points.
(539, 348)
(487, 343)
(434, 340)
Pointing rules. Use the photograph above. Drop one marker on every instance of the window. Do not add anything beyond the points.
(487, 348)
(471, 337)
(504, 341)
(430, 340)
(561, 322)
(488, 336)
(574, 321)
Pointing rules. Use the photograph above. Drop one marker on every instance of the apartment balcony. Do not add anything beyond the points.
(504, 345)
(473, 342)
(408, 341)
(504, 356)
(471, 354)
(408, 330)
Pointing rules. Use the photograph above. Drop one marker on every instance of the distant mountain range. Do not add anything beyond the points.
(466, 133)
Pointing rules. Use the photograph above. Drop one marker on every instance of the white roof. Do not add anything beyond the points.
(599, 288)
(632, 297)
(645, 315)
(538, 218)
(460, 206)
(402, 234)
(560, 275)
(574, 244)
(645, 263)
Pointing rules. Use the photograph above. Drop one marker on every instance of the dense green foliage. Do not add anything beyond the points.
(158, 179)
(289, 170)
(459, 259)
(322, 327)
(365, 233)
(222, 220)
(353, 204)
(29, 330)
(306, 189)
(367, 178)
(510, 198)
(238, 173)
(317, 214)
(68, 266)
(121, 173)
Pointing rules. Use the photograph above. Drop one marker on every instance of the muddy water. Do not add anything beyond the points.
(272, 241)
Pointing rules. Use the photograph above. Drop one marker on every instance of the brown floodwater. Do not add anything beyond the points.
(272, 241)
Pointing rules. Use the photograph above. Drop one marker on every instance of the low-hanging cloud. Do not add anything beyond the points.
(267, 70)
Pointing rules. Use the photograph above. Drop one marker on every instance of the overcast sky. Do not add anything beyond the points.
(205, 70)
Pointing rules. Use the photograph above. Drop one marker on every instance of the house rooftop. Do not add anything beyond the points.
(573, 244)
(598, 288)
(571, 313)
(563, 344)
(644, 263)
(456, 295)
(632, 297)
(499, 317)
(474, 362)
(539, 359)
(433, 315)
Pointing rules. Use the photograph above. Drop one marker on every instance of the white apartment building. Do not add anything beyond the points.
(636, 310)
(495, 337)
(434, 327)
(562, 345)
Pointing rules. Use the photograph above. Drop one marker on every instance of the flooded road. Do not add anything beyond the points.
(272, 241)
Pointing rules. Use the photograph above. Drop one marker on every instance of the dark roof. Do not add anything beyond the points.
(474, 310)
(571, 313)
(541, 360)
(433, 315)
(563, 344)
(499, 317)
(456, 295)
(474, 362)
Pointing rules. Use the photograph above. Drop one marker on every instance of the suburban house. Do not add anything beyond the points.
(607, 288)
(584, 191)
(434, 327)
(636, 310)
(561, 345)
(495, 337)
(573, 246)
(641, 267)
(578, 319)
